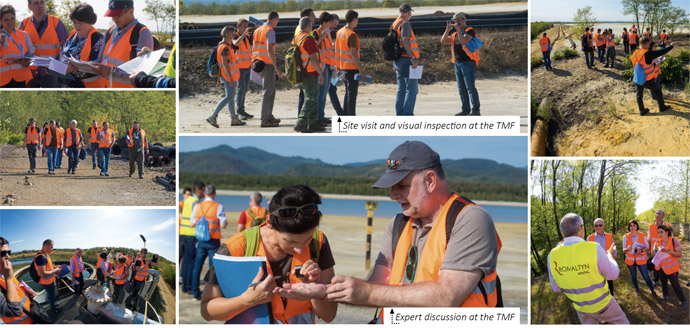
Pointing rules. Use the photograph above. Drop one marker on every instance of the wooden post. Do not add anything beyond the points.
(370, 206)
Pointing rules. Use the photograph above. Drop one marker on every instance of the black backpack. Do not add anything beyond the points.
(391, 46)
(32, 271)
(134, 40)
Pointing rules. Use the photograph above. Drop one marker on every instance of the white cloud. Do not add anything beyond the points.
(163, 225)
(16, 242)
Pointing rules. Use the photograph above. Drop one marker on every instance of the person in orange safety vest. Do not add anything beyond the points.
(13, 299)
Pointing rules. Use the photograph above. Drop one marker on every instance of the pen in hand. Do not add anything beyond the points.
(258, 282)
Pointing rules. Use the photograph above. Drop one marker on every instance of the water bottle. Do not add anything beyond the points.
(358, 77)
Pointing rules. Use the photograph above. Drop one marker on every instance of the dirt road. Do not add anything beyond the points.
(85, 188)
(347, 236)
(506, 96)
(595, 113)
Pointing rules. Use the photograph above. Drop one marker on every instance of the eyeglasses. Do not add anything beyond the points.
(5, 253)
(411, 267)
(598, 225)
(290, 212)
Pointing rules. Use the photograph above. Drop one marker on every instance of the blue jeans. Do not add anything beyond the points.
(73, 153)
(51, 293)
(95, 153)
(189, 245)
(203, 249)
(229, 98)
(547, 58)
(645, 276)
(242, 86)
(407, 88)
(323, 91)
(104, 159)
(589, 57)
(464, 76)
(51, 152)
(58, 159)
(333, 94)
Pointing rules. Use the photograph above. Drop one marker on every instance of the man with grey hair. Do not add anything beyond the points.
(465, 62)
(309, 52)
(214, 214)
(604, 239)
(254, 215)
(73, 142)
(579, 269)
(653, 236)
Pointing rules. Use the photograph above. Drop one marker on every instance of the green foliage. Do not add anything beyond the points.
(536, 28)
(584, 17)
(684, 55)
(155, 110)
(536, 61)
(349, 185)
(673, 70)
(564, 53)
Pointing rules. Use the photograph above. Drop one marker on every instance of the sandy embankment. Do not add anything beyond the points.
(347, 237)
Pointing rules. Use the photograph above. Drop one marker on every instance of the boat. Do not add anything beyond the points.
(95, 306)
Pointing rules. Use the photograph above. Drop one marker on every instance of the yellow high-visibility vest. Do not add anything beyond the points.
(186, 228)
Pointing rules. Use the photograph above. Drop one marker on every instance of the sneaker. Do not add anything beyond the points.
(244, 115)
(212, 120)
(665, 108)
(141, 177)
(642, 113)
(74, 172)
(106, 174)
(34, 171)
(301, 129)
(269, 124)
(130, 175)
(463, 113)
(29, 171)
(316, 127)
(197, 297)
(236, 121)
(102, 174)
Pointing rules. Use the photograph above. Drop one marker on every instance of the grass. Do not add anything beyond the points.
(564, 53)
(536, 61)
(549, 307)
(536, 28)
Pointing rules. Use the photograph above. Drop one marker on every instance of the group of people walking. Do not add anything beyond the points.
(115, 269)
(55, 141)
(326, 61)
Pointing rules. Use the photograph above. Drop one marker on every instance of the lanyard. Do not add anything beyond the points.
(115, 39)
(21, 48)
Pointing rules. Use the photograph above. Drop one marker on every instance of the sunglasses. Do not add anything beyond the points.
(598, 225)
(290, 212)
(411, 267)
(5, 253)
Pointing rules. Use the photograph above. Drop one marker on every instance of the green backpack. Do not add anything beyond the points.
(294, 70)
(252, 237)
(257, 220)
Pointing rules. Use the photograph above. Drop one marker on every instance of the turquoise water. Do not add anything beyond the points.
(349, 207)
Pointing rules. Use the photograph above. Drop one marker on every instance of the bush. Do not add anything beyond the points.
(167, 272)
(564, 53)
(536, 61)
(538, 27)
(684, 55)
(673, 70)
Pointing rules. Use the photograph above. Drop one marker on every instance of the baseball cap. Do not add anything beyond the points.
(409, 156)
(405, 7)
(116, 7)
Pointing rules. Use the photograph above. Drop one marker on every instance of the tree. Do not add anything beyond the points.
(675, 17)
(632, 7)
(156, 10)
(584, 17)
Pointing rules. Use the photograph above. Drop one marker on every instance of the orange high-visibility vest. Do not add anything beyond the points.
(326, 53)
(93, 134)
(231, 61)
(107, 139)
(32, 135)
(95, 81)
(47, 45)
(294, 312)
(144, 273)
(77, 137)
(590, 39)
(260, 48)
(120, 53)
(120, 275)
(633, 38)
(646, 34)
(254, 212)
(670, 265)
(608, 236)
(343, 53)
(209, 209)
(633, 30)
(599, 39)
(300, 39)
(24, 318)
(244, 53)
(653, 233)
(650, 72)
(78, 266)
(431, 258)
(663, 38)
(129, 261)
(48, 137)
(49, 266)
(611, 41)
(545, 43)
(630, 257)
(473, 55)
(130, 141)
(413, 40)
(16, 48)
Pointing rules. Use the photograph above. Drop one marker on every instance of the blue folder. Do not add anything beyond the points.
(234, 275)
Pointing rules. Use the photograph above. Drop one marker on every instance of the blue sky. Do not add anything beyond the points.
(343, 150)
(87, 228)
(604, 10)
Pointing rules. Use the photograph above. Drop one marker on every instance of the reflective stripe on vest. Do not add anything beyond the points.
(209, 209)
(574, 269)
(32, 135)
(48, 44)
(260, 47)
(231, 62)
(120, 53)
(663, 38)
(653, 233)
(304, 55)
(473, 55)
(343, 53)
(244, 53)
(431, 258)
(326, 52)
(120, 275)
(633, 38)
(413, 39)
(49, 266)
(294, 312)
(107, 139)
(78, 266)
(611, 41)
(600, 41)
(544, 42)
(670, 264)
(10, 71)
(141, 275)
(26, 304)
(650, 72)
(93, 134)
(95, 81)
(77, 137)
(607, 237)
(186, 227)
(630, 257)
(130, 141)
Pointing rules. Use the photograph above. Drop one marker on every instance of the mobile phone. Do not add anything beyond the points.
(298, 274)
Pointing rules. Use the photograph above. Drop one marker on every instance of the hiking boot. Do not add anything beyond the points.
(642, 113)
(475, 113)
(212, 120)
(463, 113)
(665, 108)
(269, 124)
(316, 127)
(301, 129)
(273, 119)
(327, 120)
(236, 121)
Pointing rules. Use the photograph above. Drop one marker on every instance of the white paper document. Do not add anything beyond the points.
(256, 77)
(144, 63)
(658, 257)
(84, 67)
(57, 66)
(416, 73)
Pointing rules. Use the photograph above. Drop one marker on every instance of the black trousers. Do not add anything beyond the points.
(626, 47)
(656, 90)
(134, 297)
(674, 283)
(610, 282)
(138, 157)
(351, 88)
(31, 149)
(79, 286)
(116, 293)
(14, 84)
